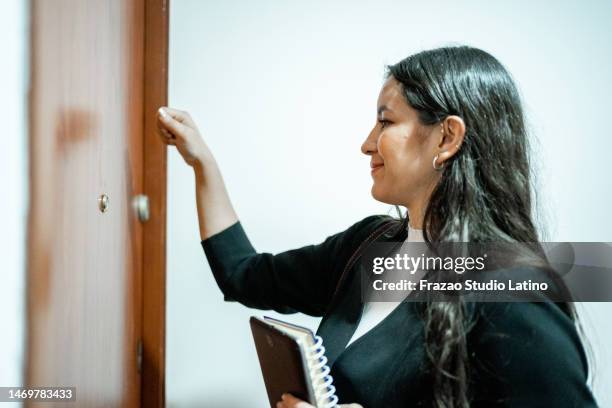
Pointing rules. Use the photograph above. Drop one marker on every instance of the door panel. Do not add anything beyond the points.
(85, 265)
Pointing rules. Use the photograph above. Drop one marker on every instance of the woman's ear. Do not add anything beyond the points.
(451, 134)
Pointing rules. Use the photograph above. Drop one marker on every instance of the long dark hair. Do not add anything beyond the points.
(485, 190)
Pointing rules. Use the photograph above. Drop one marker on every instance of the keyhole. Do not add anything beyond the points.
(103, 203)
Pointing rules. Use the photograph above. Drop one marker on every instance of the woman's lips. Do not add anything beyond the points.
(376, 167)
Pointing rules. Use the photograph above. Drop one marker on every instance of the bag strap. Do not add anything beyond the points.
(357, 253)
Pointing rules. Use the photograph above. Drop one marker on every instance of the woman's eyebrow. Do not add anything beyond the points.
(383, 108)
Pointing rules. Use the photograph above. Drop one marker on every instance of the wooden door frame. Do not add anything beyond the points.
(154, 231)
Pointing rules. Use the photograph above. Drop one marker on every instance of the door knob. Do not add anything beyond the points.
(141, 205)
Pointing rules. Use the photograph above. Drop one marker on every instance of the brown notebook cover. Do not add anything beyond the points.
(292, 361)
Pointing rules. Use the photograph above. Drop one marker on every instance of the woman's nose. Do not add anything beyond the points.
(369, 145)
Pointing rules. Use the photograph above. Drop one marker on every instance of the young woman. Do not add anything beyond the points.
(450, 146)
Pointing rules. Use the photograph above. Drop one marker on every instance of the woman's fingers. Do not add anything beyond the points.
(289, 401)
(166, 134)
(167, 137)
(180, 116)
(176, 128)
(175, 123)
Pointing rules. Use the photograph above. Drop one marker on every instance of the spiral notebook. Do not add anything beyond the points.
(293, 360)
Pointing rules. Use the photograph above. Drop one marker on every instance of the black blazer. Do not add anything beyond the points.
(520, 354)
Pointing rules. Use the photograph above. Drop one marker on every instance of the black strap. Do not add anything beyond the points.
(357, 253)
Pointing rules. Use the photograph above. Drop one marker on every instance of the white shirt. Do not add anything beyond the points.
(375, 312)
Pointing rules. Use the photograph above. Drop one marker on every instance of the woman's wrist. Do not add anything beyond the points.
(203, 166)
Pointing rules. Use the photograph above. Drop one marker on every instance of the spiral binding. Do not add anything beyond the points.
(325, 392)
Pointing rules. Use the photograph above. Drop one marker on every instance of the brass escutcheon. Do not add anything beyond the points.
(103, 203)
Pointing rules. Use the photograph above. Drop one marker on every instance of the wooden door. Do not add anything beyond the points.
(95, 320)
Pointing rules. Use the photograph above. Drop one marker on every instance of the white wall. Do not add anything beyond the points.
(14, 187)
(285, 92)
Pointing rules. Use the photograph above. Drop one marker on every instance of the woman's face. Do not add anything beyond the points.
(401, 150)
